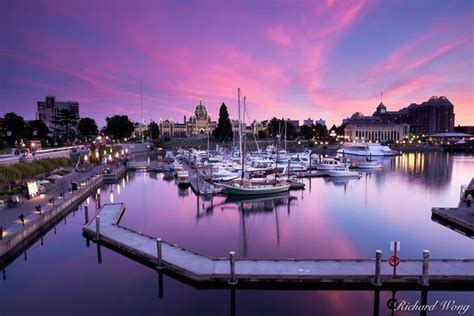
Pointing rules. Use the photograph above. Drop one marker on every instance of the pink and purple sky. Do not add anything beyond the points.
(322, 59)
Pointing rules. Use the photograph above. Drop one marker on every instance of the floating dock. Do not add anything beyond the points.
(199, 268)
(459, 218)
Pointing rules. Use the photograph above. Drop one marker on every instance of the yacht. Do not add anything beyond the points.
(366, 149)
(368, 164)
(183, 178)
(329, 164)
(343, 172)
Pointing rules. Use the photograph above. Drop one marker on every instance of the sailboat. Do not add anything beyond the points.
(247, 187)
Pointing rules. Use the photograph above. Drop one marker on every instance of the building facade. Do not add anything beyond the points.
(49, 109)
(308, 122)
(433, 116)
(372, 128)
(199, 123)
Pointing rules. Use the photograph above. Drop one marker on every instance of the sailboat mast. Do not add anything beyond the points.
(285, 134)
(240, 135)
(141, 108)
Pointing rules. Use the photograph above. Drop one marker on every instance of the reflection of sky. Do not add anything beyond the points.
(336, 219)
(329, 221)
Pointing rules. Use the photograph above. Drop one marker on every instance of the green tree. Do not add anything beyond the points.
(14, 128)
(87, 127)
(119, 126)
(153, 130)
(321, 130)
(37, 129)
(223, 131)
(308, 132)
(277, 127)
(63, 123)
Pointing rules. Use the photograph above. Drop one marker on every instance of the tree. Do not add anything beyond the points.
(153, 130)
(339, 129)
(321, 131)
(63, 122)
(223, 131)
(14, 127)
(307, 132)
(37, 129)
(119, 126)
(87, 127)
(277, 127)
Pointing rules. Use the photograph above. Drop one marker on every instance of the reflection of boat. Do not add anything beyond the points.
(183, 178)
(366, 149)
(168, 176)
(183, 191)
(254, 189)
(343, 172)
(369, 164)
(253, 198)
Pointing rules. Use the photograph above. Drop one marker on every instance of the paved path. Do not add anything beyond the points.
(10, 214)
(202, 268)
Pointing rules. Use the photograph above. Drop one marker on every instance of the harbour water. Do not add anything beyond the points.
(333, 219)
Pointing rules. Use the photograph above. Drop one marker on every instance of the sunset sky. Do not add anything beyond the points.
(323, 59)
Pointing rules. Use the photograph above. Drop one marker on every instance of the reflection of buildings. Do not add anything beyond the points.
(434, 169)
(199, 123)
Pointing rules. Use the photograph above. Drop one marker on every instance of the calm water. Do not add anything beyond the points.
(330, 219)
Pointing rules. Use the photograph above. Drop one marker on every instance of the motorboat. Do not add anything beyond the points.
(366, 149)
(369, 164)
(329, 164)
(183, 178)
(343, 172)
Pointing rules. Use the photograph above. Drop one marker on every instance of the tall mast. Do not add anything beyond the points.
(141, 108)
(285, 133)
(240, 134)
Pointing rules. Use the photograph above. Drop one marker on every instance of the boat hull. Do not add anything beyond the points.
(233, 190)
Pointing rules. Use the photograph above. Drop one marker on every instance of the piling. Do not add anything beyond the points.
(425, 276)
(86, 213)
(159, 255)
(378, 267)
(97, 228)
(232, 279)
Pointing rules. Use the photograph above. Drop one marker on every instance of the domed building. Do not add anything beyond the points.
(198, 124)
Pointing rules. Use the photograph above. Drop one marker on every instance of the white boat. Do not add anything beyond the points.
(343, 172)
(183, 178)
(369, 164)
(329, 164)
(237, 188)
(366, 149)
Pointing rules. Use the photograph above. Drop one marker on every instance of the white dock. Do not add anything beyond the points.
(202, 268)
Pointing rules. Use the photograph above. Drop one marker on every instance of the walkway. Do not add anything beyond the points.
(202, 268)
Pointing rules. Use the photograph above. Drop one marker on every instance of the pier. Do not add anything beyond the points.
(459, 218)
(198, 183)
(105, 229)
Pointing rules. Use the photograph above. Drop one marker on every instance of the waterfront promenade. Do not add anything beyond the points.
(199, 268)
(9, 215)
(19, 234)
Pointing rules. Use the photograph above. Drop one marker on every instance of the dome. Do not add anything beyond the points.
(200, 112)
(381, 106)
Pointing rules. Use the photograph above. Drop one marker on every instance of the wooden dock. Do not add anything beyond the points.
(459, 218)
(198, 183)
(203, 269)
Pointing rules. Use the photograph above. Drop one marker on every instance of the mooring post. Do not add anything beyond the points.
(425, 277)
(97, 228)
(232, 279)
(378, 267)
(86, 213)
(159, 255)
